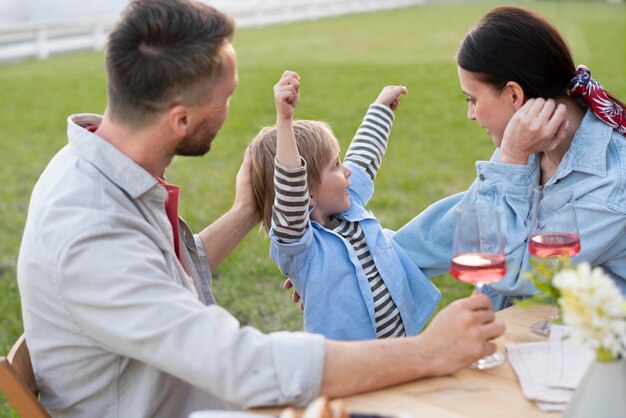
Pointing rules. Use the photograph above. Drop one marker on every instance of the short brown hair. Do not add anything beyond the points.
(164, 52)
(317, 145)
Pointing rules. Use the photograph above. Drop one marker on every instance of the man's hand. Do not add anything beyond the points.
(244, 196)
(390, 96)
(222, 236)
(287, 94)
(460, 334)
(539, 125)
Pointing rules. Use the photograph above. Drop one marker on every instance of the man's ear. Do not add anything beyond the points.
(516, 94)
(179, 119)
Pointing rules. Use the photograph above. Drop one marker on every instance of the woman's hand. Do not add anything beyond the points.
(295, 296)
(539, 125)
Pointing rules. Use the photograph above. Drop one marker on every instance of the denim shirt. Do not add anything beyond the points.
(594, 168)
(326, 272)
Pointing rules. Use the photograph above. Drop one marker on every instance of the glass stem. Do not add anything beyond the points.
(479, 287)
(556, 313)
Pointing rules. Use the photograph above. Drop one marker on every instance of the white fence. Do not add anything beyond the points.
(254, 13)
(40, 40)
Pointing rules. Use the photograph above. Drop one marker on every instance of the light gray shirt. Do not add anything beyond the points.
(115, 324)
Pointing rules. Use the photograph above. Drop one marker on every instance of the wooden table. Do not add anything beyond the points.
(468, 393)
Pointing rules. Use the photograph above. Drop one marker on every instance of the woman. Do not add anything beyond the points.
(553, 126)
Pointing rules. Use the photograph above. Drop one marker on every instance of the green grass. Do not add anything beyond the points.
(344, 62)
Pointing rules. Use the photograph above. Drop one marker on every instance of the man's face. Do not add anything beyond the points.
(210, 117)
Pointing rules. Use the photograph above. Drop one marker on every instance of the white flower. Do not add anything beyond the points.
(593, 305)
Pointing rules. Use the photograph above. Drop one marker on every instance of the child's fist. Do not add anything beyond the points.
(390, 96)
(287, 94)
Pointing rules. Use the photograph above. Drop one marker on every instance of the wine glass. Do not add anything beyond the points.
(478, 257)
(554, 233)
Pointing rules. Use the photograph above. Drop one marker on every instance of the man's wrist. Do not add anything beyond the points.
(426, 366)
(247, 214)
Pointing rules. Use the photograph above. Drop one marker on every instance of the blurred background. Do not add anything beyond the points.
(39, 28)
(51, 66)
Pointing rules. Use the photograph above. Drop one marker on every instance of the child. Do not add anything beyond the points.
(355, 281)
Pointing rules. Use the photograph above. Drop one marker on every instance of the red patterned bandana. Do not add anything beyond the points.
(606, 109)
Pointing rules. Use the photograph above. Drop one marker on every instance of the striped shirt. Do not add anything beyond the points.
(290, 216)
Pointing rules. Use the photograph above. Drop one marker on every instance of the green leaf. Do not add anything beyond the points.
(541, 276)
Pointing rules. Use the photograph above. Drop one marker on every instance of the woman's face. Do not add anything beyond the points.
(491, 108)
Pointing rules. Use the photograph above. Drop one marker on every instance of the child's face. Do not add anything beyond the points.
(331, 195)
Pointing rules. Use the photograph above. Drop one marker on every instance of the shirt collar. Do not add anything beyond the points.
(109, 160)
(587, 153)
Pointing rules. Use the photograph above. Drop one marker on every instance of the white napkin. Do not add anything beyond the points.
(549, 371)
(530, 362)
(568, 361)
(551, 406)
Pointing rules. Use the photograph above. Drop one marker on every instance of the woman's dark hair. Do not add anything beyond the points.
(515, 44)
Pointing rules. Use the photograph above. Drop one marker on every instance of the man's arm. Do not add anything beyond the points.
(222, 236)
(154, 315)
(122, 295)
(457, 336)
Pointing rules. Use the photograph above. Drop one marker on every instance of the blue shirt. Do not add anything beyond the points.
(325, 271)
(594, 168)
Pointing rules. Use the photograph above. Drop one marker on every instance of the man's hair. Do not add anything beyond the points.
(317, 146)
(162, 53)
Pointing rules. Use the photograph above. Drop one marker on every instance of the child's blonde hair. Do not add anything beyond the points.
(317, 145)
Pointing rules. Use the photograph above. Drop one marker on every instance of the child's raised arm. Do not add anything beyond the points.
(290, 218)
(286, 97)
(370, 141)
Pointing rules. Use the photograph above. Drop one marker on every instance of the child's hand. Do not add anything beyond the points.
(287, 94)
(390, 96)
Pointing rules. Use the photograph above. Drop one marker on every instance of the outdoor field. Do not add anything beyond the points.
(343, 62)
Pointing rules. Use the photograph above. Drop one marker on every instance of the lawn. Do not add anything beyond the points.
(343, 63)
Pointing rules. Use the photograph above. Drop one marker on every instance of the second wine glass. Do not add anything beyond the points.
(478, 256)
(554, 234)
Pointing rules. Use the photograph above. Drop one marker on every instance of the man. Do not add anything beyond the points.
(117, 305)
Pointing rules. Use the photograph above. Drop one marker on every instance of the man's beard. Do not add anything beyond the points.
(196, 143)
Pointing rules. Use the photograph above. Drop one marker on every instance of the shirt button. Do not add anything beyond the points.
(481, 177)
